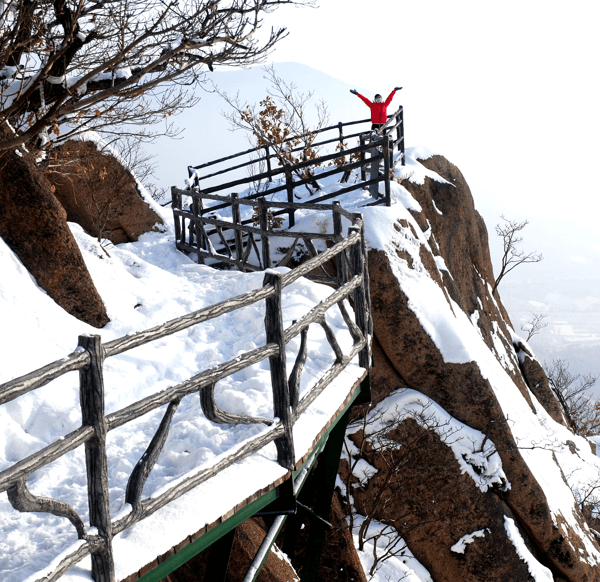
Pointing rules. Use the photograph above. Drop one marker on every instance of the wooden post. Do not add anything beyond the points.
(201, 242)
(279, 381)
(263, 217)
(401, 127)
(91, 394)
(363, 174)
(176, 204)
(361, 306)
(191, 172)
(341, 130)
(268, 160)
(237, 234)
(398, 128)
(374, 170)
(289, 183)
(342, 273)
(387, 169)
(366, 280)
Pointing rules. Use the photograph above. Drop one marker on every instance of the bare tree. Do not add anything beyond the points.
(534, 325)
(572, 390)
(280, 121)
(588, 498)
(512, 256)
(68, 66)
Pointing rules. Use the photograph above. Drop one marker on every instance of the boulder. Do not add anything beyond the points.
(34, 225)
(98, 193)
(435, 507)
(538, 383)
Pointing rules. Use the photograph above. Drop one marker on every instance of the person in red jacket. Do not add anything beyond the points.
(378, 107)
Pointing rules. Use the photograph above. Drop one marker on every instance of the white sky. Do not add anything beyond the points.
(506, 90)
(509, 92)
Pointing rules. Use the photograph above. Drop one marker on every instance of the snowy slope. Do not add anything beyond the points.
(144, 284)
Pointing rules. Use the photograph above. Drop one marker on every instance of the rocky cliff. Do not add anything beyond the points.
(442, 334)
(464, 467)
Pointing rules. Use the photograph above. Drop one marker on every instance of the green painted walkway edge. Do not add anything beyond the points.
(206, 540)
(361, 395)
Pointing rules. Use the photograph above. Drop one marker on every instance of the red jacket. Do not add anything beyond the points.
(378, 110)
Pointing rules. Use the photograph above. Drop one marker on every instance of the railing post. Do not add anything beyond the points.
(387, 169)
(268, 160)
(289, 183)
(191, 173)
(374, 170)
(281, 392)
(263, 218)
(363, 173)
(361, 304)
(341, 266)
(341, 130)
(366, 279)
(237, 234)
(91, 394)
(176, 205)
(201, 242)
(401, 133)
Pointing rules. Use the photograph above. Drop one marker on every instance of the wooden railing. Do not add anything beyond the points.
(234, 241)
(266, 154)
(372, 148)
(349, 254)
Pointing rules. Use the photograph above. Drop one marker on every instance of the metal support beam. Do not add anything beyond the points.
(285, 504)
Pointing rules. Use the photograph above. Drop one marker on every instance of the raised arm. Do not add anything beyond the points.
(391, 95)
(368, 102)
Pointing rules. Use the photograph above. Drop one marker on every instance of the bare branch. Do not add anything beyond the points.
(512, 256)
(86, 64)
(534, 325)
(279, 123)
(572, 390)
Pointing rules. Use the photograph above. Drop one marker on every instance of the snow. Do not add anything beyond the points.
(538, 572)
(542, 441)
(461, 545)
(476, 455)
(401, 567)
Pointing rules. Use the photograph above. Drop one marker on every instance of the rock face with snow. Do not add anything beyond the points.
(34, 225)
(99, 194)
(439, 330)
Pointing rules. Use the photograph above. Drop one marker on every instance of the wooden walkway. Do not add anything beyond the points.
(238, 247)
(88, 359)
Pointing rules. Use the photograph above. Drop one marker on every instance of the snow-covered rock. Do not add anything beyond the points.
(440, 331)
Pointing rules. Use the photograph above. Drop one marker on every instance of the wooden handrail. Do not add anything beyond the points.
(89, 358)
(394, 120)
